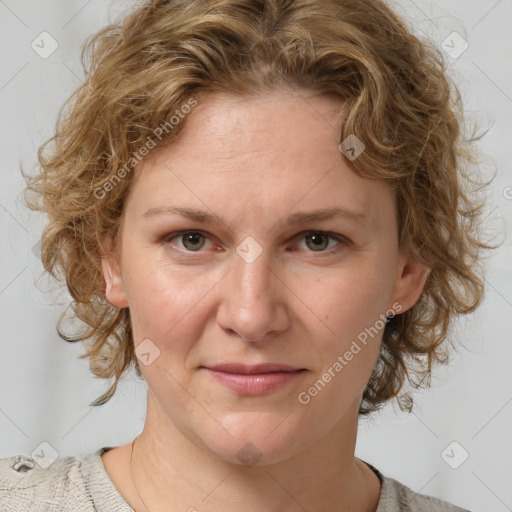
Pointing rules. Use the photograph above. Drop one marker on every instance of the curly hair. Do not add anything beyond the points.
(398, 101)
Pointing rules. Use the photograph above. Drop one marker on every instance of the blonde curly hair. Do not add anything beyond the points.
(397, 100)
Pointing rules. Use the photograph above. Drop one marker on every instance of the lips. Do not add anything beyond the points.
(254, 369)
(253, 380)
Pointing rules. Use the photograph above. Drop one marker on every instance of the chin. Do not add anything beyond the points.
(251, 439)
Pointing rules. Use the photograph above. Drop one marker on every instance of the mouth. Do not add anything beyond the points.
(255, 379)
(243, 369)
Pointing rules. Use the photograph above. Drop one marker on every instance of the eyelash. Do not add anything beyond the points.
(342, 241)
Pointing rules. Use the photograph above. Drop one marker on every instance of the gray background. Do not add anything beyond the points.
(45, 389)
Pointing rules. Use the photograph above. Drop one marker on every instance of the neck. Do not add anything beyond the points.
(172, 471)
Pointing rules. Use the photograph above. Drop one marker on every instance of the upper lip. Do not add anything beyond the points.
(253, 369)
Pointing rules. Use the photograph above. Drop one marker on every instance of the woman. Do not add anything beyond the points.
(259, 204)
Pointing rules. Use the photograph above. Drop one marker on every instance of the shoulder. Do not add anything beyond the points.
(26, 485)
(396, 497)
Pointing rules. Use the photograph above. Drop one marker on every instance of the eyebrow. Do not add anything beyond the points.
(292, 219)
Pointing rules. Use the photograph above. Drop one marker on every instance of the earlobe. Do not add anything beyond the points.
(114, 287)
(411, 279)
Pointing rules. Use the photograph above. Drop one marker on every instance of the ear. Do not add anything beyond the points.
(114, 287)
(411, 276)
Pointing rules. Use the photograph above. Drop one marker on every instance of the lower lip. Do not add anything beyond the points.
(254, 384)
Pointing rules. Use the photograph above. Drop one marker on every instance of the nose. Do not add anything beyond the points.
(253, 300)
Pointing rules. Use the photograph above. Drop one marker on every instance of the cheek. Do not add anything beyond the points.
(352, 305)
(167, 308)
(353, 308)
(350, 301)
(167, 305)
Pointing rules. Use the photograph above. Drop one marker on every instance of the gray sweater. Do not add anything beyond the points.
(81, 484)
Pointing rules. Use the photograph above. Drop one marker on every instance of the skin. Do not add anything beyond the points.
(253, 162)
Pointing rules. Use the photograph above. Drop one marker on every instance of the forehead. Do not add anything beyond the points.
(227, 128)
(274, 152)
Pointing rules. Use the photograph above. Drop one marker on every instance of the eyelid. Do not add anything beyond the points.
(337, 236)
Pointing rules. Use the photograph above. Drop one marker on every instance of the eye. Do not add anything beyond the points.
(192, 241)
(315, 241)
(319, 241)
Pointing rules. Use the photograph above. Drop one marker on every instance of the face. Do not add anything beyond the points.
(249, 241)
